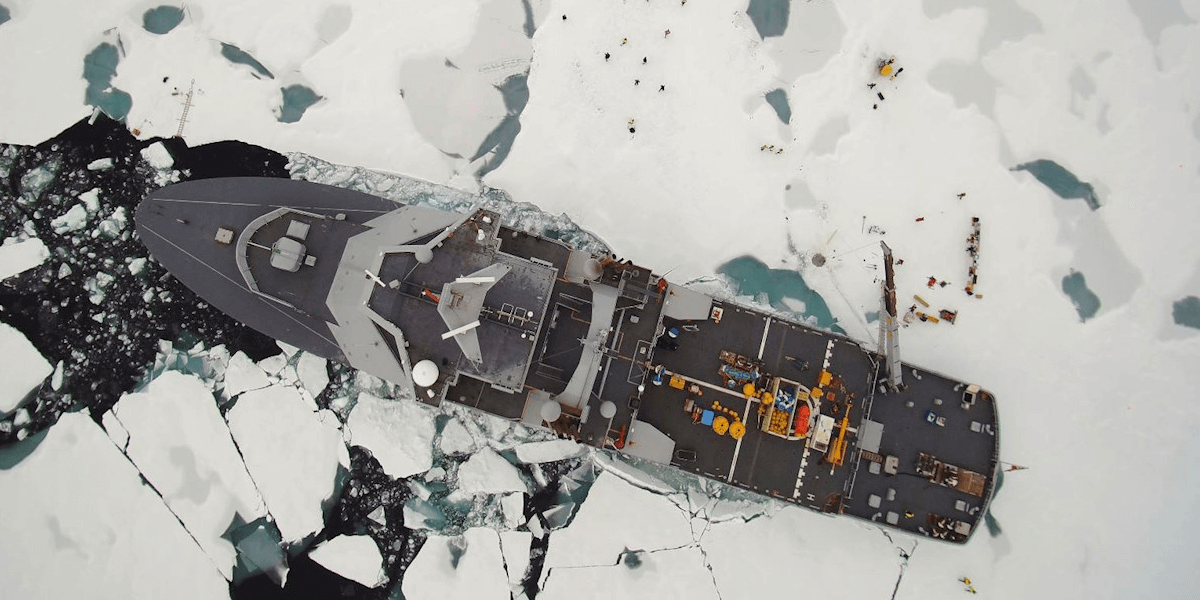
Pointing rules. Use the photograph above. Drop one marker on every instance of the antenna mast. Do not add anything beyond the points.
(889, 325)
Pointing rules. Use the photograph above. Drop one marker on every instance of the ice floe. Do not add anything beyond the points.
(84, 525)
(487, 472)
(455, 439)
(18, 256)
(24, 368)
(398, 433)
(355, 557)
(467, 567)
(242, 375)
(548, 451)
(179, 442)
(292, 453)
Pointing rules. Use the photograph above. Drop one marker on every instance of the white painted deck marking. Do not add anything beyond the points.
(738, 448)
(763, 346)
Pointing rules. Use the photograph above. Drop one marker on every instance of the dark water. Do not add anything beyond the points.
(754, 278)
(99, 67)
(107, 358)
(162, 19)
(778, 100)
(1087, 303)
(1061, 181)
(238, 56)
(770, 17)
(296, 100)
(106, 347)
(4, 14)
(1186, 312)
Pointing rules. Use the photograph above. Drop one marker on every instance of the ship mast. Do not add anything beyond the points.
(889, 325)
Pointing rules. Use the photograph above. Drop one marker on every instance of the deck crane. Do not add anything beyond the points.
(837, 452)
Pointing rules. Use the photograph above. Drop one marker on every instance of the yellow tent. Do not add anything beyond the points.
(737, 430)
(720, 425)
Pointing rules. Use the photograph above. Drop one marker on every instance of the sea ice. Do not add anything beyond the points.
(455, 439)
(16, 257)
(399, 433)
(616, 516)
(313, 373)
(515, 546)
(487, 472)
(100, 164)
(242, 375)
(158, 156)
(293, 455)
(671, 573)
(355, 557)
(72, 220)
(548, 451)
(470, 567)
(84, 525)
(180, 443)
(24, 368)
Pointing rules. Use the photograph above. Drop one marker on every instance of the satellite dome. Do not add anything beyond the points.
(425, 373)
(551, 411)
(423, 254)
(608, 409)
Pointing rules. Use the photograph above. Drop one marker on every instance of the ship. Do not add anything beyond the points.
(463, 308)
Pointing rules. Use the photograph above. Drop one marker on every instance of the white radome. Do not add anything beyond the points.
(551, 411)
(425, 373)
(608, 409)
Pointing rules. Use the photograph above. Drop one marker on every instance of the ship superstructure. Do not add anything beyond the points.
(462, 308)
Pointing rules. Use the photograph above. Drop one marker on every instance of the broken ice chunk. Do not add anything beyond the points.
(73, 220)
(24, 368)
(355, 557)
(488, 472)
(16, 257)
(455, 439)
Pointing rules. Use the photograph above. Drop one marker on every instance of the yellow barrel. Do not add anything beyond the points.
(720, 425)
(748, 390)
(737, 430)
(767, 399)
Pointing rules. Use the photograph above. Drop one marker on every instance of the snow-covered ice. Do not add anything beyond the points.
(72, 220)
(243, 375)
(616, 516)
(100, 164)
(79, 523)
(515, 546)
(548, 451)
(455, 439)
(467, 567)
(355, 557)
(24, 368)
(487, 472)
(180, 443)
(292, 453)
(158, 156)
(399, 433)
(18, 256)
(670, 573)
(313, 373)
(1103, 87)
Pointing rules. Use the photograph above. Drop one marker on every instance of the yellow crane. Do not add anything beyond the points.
(837, 452)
